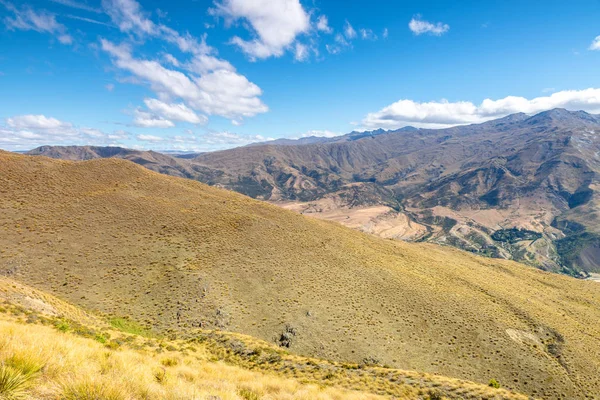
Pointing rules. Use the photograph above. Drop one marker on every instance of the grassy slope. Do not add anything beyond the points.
(49, 355)
(176, 254)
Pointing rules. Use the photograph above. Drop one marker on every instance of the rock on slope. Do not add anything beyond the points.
(176, 254)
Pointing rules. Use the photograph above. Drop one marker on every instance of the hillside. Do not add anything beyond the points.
(177, 255)
(456, 186)
(50, 349)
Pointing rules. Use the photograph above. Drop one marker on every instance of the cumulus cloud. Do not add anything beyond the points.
(441, 114)
(144, 119)
(149, 138)
(24, 132)
(203, 83)
(129, 17)
(177, 112)
(220, 92)
(419, 26)
(28, 19)
(323, 24)
(275, 24)
(595, 44)
(36, 122)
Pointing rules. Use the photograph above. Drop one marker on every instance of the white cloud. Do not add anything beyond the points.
(177, 112)
(93, 132)
(367, 34)
(24, 132)
(349, 31)
(204, 63)
(323, 24)
(385, 33)
(419, 27)
(340, 44)
(119, 135)
(321, 133)
(129, 17)
(145, 119)
(170, 59)
(149, 138)
(221, 92)
(276, 24)
(91, 21)
(441, 114)
(229, 139)
(595, 44)
(26, 18)
(36, 122)
(77, 5)
(301, 53)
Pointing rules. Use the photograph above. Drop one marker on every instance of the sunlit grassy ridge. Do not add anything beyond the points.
(44, 355)
(175, 256)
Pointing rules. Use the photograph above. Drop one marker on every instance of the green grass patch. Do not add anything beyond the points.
(128, 326)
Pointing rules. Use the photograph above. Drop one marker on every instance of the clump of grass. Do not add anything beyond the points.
(26, 363)
(248, 394)
(13, 383)
(494, 383)
(160, 376)
(91, 390)
(169, 362)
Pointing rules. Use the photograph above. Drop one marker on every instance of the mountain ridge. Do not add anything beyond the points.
(176, 255)
(453, 186)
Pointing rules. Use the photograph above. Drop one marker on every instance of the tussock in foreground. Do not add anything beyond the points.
(44, 355)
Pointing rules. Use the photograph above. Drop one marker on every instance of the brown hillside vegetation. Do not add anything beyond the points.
(51, 349)
(175, 255)
(465, 186)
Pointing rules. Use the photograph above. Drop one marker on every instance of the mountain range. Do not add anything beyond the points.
(178, 256)
(520, 187)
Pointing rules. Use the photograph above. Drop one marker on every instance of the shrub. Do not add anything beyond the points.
(62, 326)
(494, 383)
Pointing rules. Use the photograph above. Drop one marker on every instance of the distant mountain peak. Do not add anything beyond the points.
(562, 115)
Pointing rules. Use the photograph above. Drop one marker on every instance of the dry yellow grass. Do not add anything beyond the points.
(66, 360)
(177, 255)
(80, 369)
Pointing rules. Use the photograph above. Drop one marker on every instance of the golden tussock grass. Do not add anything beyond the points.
(46, 364)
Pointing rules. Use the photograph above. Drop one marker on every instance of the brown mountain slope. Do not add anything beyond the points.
(176, 254)
(467, 186)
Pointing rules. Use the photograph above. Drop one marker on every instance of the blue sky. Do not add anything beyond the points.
(206, 75)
